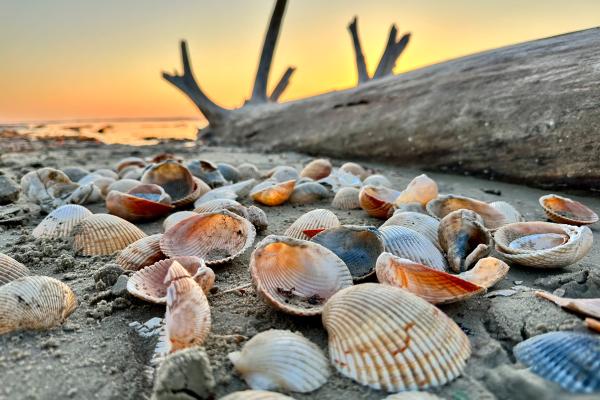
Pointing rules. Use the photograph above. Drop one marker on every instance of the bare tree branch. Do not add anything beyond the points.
(361, 66)
(390, 62)
(282, 85)
(388, 53)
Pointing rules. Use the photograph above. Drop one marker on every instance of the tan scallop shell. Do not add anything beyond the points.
(377, 201)
(272, 193)
(149, 282)
(424, 224)
(281, 360)
(311, 223)
(60, 222)
(216, 237)
(407, 243)
(104, 234)
(141, 253)
(34, 302)
(256, 395)
(493, 218)
(175, 178)
(354, 169)
(176, 217)
(317, 169)
(578, 243)
(296, 276)
(132, 207)
(346, 199)
(123, 185)
(421, 189)
(487, 272)
(510, 213)
(389, 339)
(566, 211)
(587, 307)
(222, 204)
(11, 269)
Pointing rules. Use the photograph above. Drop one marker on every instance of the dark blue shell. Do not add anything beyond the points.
(571, 359)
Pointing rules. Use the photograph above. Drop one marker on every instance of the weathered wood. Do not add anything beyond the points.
(282, 84)
(361, 65)
(527, 113)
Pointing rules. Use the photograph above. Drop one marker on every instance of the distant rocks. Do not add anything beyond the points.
(9, 190)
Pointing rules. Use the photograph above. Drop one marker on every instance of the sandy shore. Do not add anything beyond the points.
(97, 355)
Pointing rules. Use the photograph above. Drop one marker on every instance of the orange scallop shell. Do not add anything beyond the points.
(141, 253)
(377, 201)
(131, 207)
(311, 223)
(566, 211)
(317, 169)
(272, 193)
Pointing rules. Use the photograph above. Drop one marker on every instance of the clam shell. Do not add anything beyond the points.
(133, 207)
(149, 282)
(177, 181)
(579, 243)
(587, 307)
(256, 395)
(424, 224)
(34, 302)
(311, 223)
(317, 169)
(592, 324)
(487, 272)
(406, 243)
(222, 204)
(377, 201)
(346, 199)
(283, 173)
(257, 217)
(389, 339)
(208, 172)
(248, 171)
(60, 222)
(229, 172)
(444, 205)
(141, 253)
(75, 173)
(272, 193)
(128, 162)
(510, 213)
(281, 360)
(571, 359)
(435, 286)
(296, 276)
(216, 237)
(421, 189)
(307, 193)
(104, 234)
(354, 169)
(123, 185)
(177, 217)
(377, 180)
(11, 269)
(566, 211)
(357, 246)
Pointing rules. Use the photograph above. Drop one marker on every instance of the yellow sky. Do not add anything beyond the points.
(66, 59)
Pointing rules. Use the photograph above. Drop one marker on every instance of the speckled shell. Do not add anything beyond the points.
(149, 282)
(258, 218)
(141, 253)
(357, 246)
(406, 243)
(229, 172)
(377, 201)
(132, 207)
(60, 222)
(307, 193)
(311, 223)
(272, 193)
(104, 234)
(216, 237)
(177, 181)
(511, 214)
(281, 360)
(11, 269)
(566, 211)
(208, 172)
(421, 189)
(283, 173)
(354, 169)
(587, 307)
(177, 217)
(389, 339)
(285, 269)
(248, 171)
(487, 272)
(579, 243)
(346, 199)
(256, 395)
(377, 180)
(128, 162)
(317, 169)
(571, 359)
(123, 185)
(34, 302)
(424, 224)
(222, 204)
(492, 217)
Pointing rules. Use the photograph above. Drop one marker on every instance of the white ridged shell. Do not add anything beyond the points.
(312, 221)
(510, 213)
(424, 224)
(407, 243)
(256, 395)
(413, 396)
(11, 269)
(141, 253)
(346, 199)
(104, 234)
(60, 222)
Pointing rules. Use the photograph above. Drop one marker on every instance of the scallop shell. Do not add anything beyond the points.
(510, 213)
(177, 181)
(357, 246)
(311, 223)
(592, 324)
(177, 217)
(128, 162)
(571, 359)
(229, 172)
(281, 360)
(296, 276)
(222, 204)
(578, 244)
(377, 201)
(256, 395)
(34, 302)
(208, 172)
(104, 234)
(145, 202)
(566, 211)
(248, 171)
(346, 199)
(377, 180)
(487, 272)
(421, 189)
(123, 185)
(258, 218)
(354, 169)
(307, 193)
(389, 339)
(406, 243)
(11, 269)
(424, 224)
(149, 283)
(216, 237)
(272, 193)
(141, 253)
(317, 169)
(282, 173)
(60, 222)
(587, 307)
(435, 286)
(444, 205)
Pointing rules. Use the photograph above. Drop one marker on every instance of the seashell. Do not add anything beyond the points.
(174, 178)
(406, 243)
(587, 307)
(281, 360)
(571, 359)
(141, 253)
(248, 171)
(357, 246)
(511, 214)
(377, 201)
(145, 202)
(304, 180)
(317, 169)
(338, 180)
(175, 218)
(229, 172)
(11, 269)
(35, 303)
(377, 180)
(311, 223)
(208, 172)
(592, 324)
(164, 156)
(123, 185)
(487, 272)
(60, 222)
(215, 194)
(282, 173)
(413, 396)
(307, 193)
(421, 189)
(437, 287)
(132, 173)
(272, 193)
(187, 319)
(389, 339)
(222, 204)
(128, 162)
(103, 184)
(346, 199)
(422, 223)
(257, 217)
(256, 395)
(42, 186)
(85, 194)
(444, 205)
(108, 173)
(566, 211)
(241, 188)
(149, 282)
(465, 240)
(409, 207)
(104, 234)
(542, 244)
(75, 173)
(354, 169)
(216, 237)
(296, 276)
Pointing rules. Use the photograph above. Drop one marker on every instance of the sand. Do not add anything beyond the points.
(96, 354)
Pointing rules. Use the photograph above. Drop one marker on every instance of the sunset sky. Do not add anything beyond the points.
(63, 59)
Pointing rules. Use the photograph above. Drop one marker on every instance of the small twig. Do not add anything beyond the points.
(235, 289)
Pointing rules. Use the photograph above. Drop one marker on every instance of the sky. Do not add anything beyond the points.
(83, 59)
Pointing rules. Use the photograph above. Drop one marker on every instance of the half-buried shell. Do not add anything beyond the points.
(144, 202)
(128, 162)
(406, 243)
(309, 192)
(104, 234)
(492, 217)
(346, 199)
(11, 269)
(60, 222)
(566, 211)
(176, 179)
(311, 223)
(377, 201)
(272, 193)
(248, 171)
(424, 224)
(588, 307)
(229, 172)
(421, 189)
(141, 253)
(317, 169)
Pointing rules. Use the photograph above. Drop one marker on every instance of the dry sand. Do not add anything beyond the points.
(97, 355)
